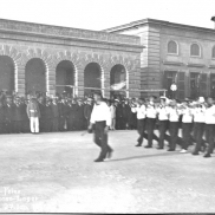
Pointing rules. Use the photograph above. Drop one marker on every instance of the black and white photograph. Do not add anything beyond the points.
(107, 106)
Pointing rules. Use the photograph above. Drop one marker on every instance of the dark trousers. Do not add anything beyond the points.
(163, 126)
(80, 123)
(210, 134)
(55, 124)
(87, 122)
(72, 124)
(120, 124)
(42, 125)
(186, 135)
(9, 127)
(173, 130)
(48, 125)
(133, 121)
(17, 126)
(198, 134)
(62, 122)
(150, 130)
(2, 125)
(141, 126)
(101, 138)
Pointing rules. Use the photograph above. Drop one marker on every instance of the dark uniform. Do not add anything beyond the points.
(126, 115)
(80, 117)
(55, 114)
(17, 117)
(24, 117)
(9, 116)
(119, 117)
(87, 113)
(63, 115)
(42, 108)
(48, 116)
(2, 118)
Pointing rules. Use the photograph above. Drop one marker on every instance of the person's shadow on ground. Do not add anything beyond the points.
(147, 156)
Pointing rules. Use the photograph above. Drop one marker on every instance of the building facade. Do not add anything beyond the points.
(174, 54)
(51, 59)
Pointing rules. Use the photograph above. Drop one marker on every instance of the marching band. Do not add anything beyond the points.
(195, 118)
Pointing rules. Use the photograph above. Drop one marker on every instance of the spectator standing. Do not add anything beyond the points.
(33, 112)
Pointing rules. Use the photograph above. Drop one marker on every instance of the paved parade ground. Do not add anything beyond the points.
(55, 172)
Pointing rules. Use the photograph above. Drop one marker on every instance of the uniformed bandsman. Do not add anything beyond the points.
(151, 115)
(163, 121)
(140, 110)
(210, 126)
(199, 126)
(174, 115)
(187, 123)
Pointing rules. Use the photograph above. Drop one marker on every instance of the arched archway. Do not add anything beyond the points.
(65, 76)
(92, 78)
(7, 70)
(118, 81)
(35, 76)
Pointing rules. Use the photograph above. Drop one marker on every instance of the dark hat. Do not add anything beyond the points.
(97, 93)
(141, 99)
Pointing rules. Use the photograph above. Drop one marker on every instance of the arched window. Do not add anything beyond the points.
(118, 80)
(35, 76)
(92, 78)
(172, 47)
(195, 50)
(7, 69)
(213, 52)
(64, 77)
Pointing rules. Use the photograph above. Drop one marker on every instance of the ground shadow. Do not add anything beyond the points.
(147, 156)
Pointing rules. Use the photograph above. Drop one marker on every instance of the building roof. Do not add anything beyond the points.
(148, 21)
(20, 27)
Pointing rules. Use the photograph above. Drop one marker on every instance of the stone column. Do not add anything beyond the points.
(134, 82)
(107, 82)
(80, 82)
(127, 84)
(50, 81)
(20, 80)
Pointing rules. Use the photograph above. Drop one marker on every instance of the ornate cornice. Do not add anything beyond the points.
(65, 32)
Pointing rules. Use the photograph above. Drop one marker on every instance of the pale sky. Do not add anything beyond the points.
(101, 14)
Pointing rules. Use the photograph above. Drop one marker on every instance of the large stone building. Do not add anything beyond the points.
(174, 53)
(146, 55)
(37, 57)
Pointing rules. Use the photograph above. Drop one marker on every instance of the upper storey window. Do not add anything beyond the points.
(172, 47)
(213, 52)
(195, 50)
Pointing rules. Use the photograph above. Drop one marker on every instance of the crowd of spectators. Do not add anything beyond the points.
(60, 113)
